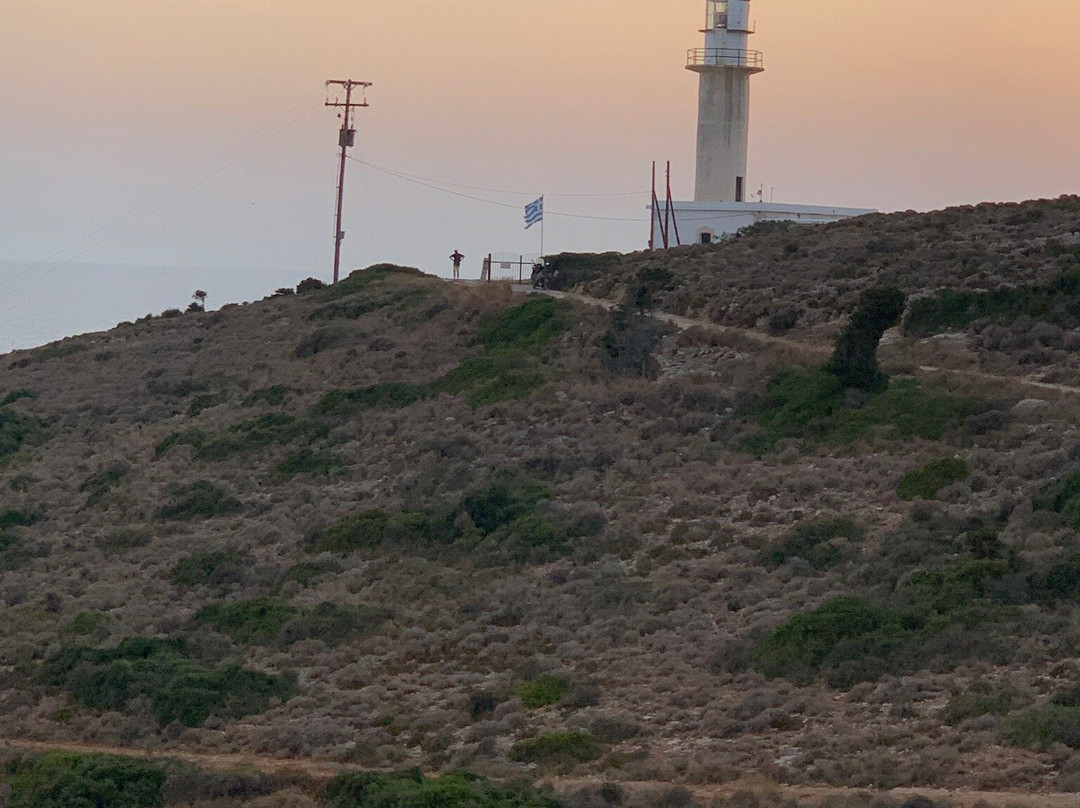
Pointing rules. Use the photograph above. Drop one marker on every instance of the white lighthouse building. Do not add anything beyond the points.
(725, 67)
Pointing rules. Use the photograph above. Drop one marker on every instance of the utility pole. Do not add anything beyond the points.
(346, 139)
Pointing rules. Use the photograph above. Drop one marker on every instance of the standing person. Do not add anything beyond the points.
(457, 258)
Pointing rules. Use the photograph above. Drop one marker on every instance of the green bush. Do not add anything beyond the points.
(630, 342)
(530, 325)
(101, 483)
(17, 430)
(974, 704)
(274, 396)
(822, 543)
(73, 780)
(413, 790)
(190, 437)
(944, 594)
(179, 688)
(15, 395)
(1062, 497)
(491, 378)
(206, 401)
(12, 518)
(272, 429)
(258, 620)
(1060, 582)
(953, 587)
(14, 550)
(542, 691)
(650, 282)
(200, 500)
(573, 269)
(85, 623)
(1057, 302)
(505, 512)
(1043, 727)
(266, 620)
(222, 566)
(333, 623)
(558, 749)
(846, 629)
(372, 529)
(307, 461)
(385, 395)
(502, 504)
(927, 481)
(813, 406)
(907, 410)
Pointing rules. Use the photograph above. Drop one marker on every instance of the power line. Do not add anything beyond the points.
(404, 175)
(407, 178)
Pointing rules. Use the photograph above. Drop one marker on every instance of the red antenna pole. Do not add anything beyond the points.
(655, 212)
(346, 140)
(670, 203)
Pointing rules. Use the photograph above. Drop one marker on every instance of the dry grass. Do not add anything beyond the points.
(647, 614)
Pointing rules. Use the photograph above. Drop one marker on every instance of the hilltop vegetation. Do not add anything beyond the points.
(404, 523)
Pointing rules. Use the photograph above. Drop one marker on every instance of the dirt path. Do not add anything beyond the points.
(319, 771)
(813, 351)
(814, 795)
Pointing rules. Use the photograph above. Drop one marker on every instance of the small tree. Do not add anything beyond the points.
(198, 302)
(641, 296)
(854, 361)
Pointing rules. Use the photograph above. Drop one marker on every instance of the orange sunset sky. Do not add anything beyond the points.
(891, 104)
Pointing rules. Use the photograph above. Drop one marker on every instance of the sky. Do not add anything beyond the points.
(194, 132)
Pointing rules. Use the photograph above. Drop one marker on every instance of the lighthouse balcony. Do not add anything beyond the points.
(705, 58)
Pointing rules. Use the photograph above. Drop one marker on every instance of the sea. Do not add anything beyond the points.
(41, 303)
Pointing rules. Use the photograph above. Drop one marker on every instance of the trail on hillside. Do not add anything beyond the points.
(813, 351)
(320, 771)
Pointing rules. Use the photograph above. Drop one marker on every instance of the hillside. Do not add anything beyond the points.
(404, 523)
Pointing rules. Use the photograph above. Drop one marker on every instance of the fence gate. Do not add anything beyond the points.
(514, 267)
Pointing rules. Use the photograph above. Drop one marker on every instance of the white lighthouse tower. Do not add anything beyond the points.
(721, 190)
(725, 66)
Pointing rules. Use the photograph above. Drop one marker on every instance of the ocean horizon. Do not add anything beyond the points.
(47, 302)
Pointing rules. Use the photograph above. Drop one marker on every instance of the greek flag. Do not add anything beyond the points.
(534, 213)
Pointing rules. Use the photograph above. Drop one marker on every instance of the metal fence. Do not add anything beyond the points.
(515, 267)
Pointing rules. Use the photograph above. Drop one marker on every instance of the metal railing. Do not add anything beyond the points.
(725, 57)
(514, 267)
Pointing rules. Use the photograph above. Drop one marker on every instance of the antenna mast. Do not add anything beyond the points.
(346, 139)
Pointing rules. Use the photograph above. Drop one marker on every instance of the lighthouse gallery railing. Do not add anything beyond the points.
(725, 57)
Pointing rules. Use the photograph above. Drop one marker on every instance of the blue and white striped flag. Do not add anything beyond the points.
(534, 213)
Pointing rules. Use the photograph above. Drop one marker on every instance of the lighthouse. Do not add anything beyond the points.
(723, 202)
(724, 67)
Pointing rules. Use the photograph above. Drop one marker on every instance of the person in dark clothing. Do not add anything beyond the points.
(457, 258)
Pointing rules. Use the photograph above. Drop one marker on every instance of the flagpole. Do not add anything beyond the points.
(542, 223)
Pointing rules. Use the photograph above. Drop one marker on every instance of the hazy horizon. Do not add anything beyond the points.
(210, 116)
